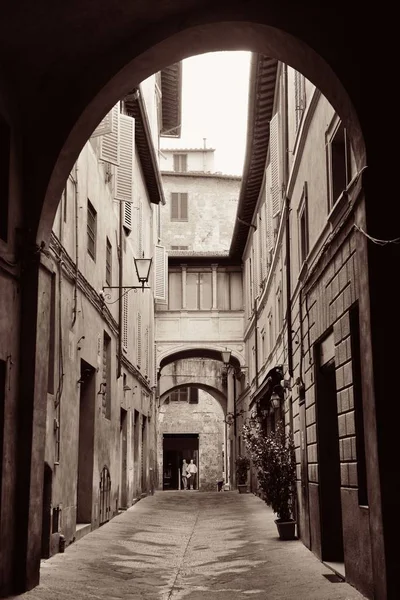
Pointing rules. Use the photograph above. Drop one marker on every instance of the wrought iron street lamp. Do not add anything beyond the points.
(142, 267)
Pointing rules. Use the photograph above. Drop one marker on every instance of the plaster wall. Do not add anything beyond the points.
(201, 161)
(205, 419)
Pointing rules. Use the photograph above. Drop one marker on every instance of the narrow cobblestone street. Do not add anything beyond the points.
(193, 545)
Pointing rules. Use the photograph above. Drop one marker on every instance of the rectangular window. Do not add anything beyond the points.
(270, 333)
(139, 340)
(180, 163)
(125, 311)
(229, 290)
(108, 262)
(358, 406)
(338, 163)
(181, 395)
(279, 310)
(106, 391)
(5, 142)
(91, 230)
(300, 96)
(193, 395)
(199, 291)
(179, 206)
(174, 290)
(303, 226)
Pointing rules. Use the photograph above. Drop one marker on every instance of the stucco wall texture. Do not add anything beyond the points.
(205, 419)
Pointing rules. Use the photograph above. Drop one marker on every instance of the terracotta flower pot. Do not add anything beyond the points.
(286, 529)
(242, 487)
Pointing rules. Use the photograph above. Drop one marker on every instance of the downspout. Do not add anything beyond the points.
(120, 277)
(256, 340)
(75, 308)
(287, 236)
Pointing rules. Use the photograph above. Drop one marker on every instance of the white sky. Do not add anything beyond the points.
(215, 90)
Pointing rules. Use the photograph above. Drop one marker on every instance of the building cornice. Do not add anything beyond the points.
(136, 108)
(263, 75)
(200, 174)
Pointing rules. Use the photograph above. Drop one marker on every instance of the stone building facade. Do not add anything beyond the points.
(201, 205)
(201, 418)
(100, 453)
(302, 272)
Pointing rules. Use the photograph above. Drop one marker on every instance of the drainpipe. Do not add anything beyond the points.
(256, 340)
(75, 308)
(120, 282)
(287, 232)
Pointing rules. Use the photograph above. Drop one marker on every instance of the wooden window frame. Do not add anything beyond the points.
(108, 262)
(179, 211)
(91, 229)
(304, 234)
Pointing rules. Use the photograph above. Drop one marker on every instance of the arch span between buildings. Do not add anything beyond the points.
(215, 393)
(141, 57)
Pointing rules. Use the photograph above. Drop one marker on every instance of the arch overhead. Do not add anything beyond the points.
(186, 372)
(215, 393)
(210, 353)
(129, 47)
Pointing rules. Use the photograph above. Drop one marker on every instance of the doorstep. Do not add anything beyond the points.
(336, 567)
(81, 530)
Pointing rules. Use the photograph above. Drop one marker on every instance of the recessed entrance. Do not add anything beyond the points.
(176, 447)
(329, 456)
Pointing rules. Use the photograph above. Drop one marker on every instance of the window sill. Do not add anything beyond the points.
(338, 209)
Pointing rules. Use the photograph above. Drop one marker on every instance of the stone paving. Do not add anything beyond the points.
(176, 545)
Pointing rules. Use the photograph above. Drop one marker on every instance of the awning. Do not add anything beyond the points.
(271, 379)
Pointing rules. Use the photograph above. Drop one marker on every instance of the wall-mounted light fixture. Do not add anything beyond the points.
(142, 266)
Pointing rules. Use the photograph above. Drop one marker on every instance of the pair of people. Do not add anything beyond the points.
(188, 474)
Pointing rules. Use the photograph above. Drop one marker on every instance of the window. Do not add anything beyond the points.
(139, 340)
(181, 395)
(229, 290)
(91, 230)
(5, 137)
(338, 162)
(52, 337)
(180, 163)
(279, 310)
(198, 291)
(174, 290)
(300, 96)
(179, 206)
(106, 404)
(270, 332)
(108, 262)
(303, 226)
(193, 395)
(125, 310)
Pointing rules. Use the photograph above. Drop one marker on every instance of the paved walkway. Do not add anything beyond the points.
(201, 546)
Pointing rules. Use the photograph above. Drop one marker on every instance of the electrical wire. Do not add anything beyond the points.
(376, 240)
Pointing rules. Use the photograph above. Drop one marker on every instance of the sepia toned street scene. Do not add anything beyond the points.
(198, 331)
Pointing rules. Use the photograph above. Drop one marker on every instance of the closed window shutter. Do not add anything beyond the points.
(174, 206)
(125, 321)
(139, 340)
(193, 395)
(108, 124)
(140, 229)
(176, 162)
(184, 206)
(268, 211)
(275, 165)
(160, 273)
(263, 243)
(146, 352)
(110, 142)
(124, 175)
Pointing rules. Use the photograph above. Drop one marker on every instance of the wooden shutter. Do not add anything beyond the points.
(263, 242)
(125, 321)
(160, 273)
(174, 206)
(275, 165)
(184, 206)
(108, 124)
(268, 211)
(139, 340)
(110, 142)
(127, 214)
(146, 351)
(124, 175)
(140, 229)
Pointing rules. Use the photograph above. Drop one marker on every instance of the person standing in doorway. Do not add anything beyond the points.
(192, 469)
(184, 473)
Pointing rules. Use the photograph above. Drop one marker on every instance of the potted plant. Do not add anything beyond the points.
(273, 455)
(242, 467)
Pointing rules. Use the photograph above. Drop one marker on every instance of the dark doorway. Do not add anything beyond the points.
(123, 444)
(86, 443)
(329, 459)
(46, 510)
(2, 403)
(176, 447)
